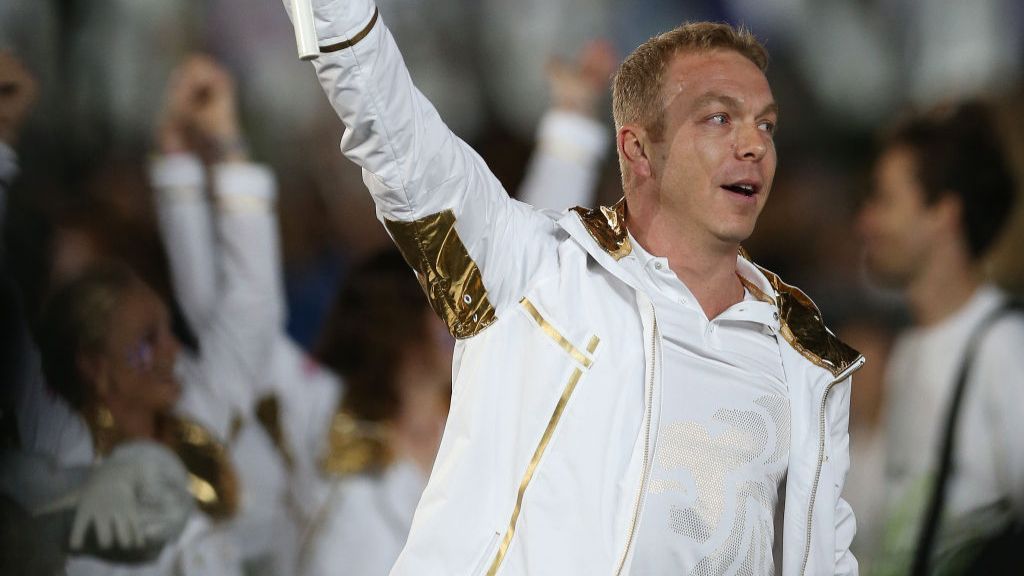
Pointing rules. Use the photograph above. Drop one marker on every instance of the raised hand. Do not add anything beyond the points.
(200, 113)
(17, 94)
(579, 85)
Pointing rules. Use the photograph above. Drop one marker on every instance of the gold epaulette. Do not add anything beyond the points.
(803, 327)
(356, 446)
(212, 479)
(607, 226)
(268, 413)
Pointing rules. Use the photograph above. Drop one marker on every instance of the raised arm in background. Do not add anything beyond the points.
(223, 261)
(571, 140)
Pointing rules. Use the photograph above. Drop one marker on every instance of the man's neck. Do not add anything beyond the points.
(707, 269)
(942, 290)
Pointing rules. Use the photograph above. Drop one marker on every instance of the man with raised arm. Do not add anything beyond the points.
(631, 394)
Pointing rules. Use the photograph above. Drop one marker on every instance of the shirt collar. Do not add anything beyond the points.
(760, 307)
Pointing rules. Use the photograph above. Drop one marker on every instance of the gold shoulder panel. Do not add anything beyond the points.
(268, 414)
(449, 277)
(355, 446)
(803, 327)
(607, 226)
(211, 476)
(212, 480)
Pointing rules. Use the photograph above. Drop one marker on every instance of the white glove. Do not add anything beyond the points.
(337, 20)
(138, 497)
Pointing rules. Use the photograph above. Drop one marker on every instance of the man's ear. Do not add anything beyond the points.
(634, 150)
(95, 373)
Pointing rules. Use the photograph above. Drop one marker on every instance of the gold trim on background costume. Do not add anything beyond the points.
(355, 446)
(449, 276)
(353, 40)
(555, 335)
(268, 414)
(212, 479)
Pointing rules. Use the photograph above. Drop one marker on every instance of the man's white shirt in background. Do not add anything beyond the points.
(988, 462)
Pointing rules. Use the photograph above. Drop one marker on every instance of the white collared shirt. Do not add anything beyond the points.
(723, 443)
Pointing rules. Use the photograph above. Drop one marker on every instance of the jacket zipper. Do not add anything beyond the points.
(821, 458)
(647, 445)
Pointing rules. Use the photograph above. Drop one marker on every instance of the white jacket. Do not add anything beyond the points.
(557, 373)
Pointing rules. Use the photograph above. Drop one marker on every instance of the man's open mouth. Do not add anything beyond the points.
(744, 188)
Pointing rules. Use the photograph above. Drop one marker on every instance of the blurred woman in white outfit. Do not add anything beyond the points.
(215, 210)
(109, 353)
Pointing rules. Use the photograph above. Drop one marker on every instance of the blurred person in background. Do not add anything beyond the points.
(134, 502)
(942, 194)
(537, 475)
(107, 350)
(214, 206)
(395, 359)
(872, 334)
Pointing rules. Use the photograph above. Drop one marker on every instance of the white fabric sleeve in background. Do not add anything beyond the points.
(998, 371)
(186, 226)
(563, 170)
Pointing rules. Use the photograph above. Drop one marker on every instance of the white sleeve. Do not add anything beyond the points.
(434, 194)
(186, 226)
(998, 370)
(225, 266)
(247, 316)
(563, 170)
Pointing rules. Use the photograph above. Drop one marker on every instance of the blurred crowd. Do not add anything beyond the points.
(215, 363)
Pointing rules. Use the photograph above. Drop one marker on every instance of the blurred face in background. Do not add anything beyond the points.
(897, 225)
(135, 372)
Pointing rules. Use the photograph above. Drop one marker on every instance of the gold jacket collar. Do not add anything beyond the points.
(801, 322)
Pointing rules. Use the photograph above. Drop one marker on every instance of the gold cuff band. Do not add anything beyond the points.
(355, 39)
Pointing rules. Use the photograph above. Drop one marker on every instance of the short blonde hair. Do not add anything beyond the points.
(637, 84)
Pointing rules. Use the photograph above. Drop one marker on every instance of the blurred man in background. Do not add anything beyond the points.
(942, 194)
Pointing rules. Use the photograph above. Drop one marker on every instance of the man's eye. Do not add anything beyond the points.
(719, 119)
(768, 127)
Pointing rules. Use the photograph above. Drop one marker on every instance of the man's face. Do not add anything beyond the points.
(716, 161)
(141, 352)
(896, 223)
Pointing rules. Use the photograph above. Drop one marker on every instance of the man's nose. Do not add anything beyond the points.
(750, 144)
